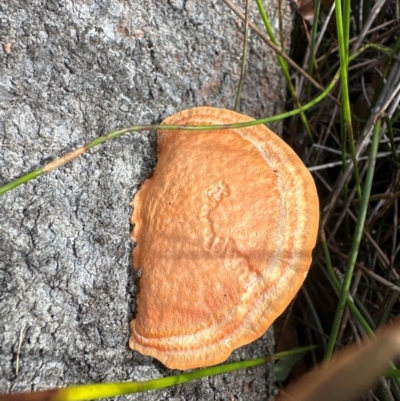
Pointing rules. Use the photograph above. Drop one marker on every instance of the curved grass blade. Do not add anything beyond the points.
(138, 128)
(102, 390)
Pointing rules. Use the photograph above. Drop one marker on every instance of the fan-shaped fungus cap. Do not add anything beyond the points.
(224, 231)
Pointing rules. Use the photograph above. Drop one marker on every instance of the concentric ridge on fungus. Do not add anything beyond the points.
(224, 231)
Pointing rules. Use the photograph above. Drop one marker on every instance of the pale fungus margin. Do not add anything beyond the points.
(224, 231)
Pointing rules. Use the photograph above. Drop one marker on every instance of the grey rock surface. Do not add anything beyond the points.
(71, 70)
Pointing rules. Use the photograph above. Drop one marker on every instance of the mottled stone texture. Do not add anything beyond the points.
(71, 70)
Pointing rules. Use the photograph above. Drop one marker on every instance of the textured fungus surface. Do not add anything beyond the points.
(224, 231)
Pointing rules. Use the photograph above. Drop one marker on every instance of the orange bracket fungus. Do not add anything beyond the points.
(224, 231)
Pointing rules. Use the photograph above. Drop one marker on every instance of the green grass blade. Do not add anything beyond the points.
(356, 241)
(138, 128)
(22, 180)
(346, 27)
(314, 29)
(393, 373)
(343, 26)
(338, 287)
(284, 366)
(103, 390)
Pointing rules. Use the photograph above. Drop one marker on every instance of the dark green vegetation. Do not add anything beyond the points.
(352, 148)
